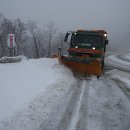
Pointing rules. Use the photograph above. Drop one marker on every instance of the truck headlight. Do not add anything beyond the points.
(105, 35)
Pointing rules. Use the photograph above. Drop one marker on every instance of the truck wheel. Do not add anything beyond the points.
(102, 66)
(98, 76)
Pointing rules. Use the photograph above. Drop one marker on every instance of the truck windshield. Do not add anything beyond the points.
(86, 40)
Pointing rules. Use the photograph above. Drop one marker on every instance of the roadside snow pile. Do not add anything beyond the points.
(22, 81)
(11, 59)
(127, 56)
(120, 61)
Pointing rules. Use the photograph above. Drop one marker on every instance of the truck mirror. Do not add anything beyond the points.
(66, 37)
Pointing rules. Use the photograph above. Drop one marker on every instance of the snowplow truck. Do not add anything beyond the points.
(86, 51)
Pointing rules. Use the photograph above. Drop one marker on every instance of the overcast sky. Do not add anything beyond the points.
(111, 15)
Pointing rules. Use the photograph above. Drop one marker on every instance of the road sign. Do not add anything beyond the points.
(11, 41)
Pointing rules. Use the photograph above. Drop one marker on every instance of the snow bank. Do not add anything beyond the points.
(20, 82)
(11, 59)
(127, 56)
(119, 61)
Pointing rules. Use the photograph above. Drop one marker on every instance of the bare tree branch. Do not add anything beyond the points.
(51, 29)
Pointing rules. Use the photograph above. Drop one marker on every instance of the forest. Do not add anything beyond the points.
(31, 40)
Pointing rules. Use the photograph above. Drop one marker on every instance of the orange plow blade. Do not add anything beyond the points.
(92, 68)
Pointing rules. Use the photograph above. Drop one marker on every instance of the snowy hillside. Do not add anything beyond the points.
(41, 94)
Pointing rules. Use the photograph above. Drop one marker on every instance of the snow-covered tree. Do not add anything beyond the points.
(51, 31)
(20, 34)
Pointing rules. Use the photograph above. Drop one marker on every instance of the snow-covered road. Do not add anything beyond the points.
(71, 103)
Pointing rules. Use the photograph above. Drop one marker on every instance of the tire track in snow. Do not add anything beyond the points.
(97, 107)
(117, 112)
(123, 87)
(75, 114)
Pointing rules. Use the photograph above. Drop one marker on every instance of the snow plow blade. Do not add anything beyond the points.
(88, 67)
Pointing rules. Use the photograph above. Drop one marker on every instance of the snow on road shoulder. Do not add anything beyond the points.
(20, 82)
(115, 58)
(127, 56)
(120, 61)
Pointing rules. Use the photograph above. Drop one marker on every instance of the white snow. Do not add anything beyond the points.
(115, 61)
(39, 94)
(127, 56)
(20, 82)
(75, 118)
(125, 79)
